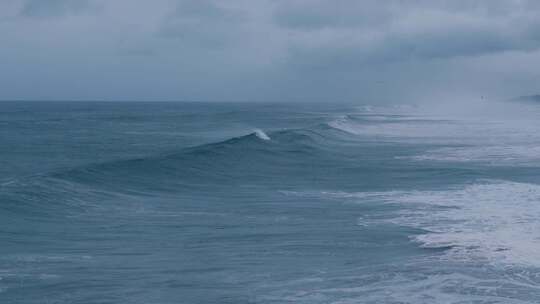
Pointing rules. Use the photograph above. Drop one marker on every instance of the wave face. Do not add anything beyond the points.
(259, 203)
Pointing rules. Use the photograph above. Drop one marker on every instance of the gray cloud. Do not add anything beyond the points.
(202, 23)
(317, 15)
(340, 35)
(55, 8)
(297, 50)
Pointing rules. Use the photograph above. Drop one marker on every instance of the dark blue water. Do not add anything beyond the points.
(266, 203)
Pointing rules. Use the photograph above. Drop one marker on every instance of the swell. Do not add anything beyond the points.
(256, 158)
(218, 161)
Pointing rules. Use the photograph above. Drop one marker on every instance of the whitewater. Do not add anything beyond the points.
(269, 203)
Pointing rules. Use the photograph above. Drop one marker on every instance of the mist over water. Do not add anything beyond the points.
(269, 203)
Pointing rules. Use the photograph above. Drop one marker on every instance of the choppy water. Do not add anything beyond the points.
(268, 203)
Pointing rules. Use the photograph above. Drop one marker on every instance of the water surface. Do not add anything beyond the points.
(267, 203)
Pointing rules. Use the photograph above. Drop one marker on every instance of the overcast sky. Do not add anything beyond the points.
(268, 50)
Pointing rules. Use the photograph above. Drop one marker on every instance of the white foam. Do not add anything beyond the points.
(496, 221)
(492, 225)
(493, 221)
(492, 139)
(260, 134)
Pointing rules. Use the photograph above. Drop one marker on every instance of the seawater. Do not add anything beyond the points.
(268, 203)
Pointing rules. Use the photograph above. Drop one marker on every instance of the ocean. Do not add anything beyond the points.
(158, 203)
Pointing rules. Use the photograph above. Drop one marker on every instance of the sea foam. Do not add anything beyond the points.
(493, 221)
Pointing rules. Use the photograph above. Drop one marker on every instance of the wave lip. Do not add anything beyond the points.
(260, 134)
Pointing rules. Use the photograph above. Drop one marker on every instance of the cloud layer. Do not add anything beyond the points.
(286, 50)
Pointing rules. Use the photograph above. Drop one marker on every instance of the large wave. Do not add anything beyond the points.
(239, 160)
